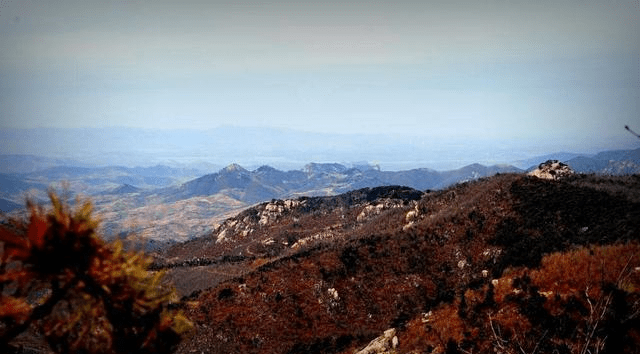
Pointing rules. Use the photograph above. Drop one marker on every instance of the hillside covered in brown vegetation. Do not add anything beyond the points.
(510, 263)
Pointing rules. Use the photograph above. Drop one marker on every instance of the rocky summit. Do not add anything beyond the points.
(552, 169)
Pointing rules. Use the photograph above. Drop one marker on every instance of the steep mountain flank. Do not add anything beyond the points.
(329, 275)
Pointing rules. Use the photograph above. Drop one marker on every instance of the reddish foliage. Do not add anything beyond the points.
(60, 280)
(387, 273)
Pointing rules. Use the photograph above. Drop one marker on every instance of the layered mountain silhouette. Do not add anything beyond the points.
(267, 183)
(618, 162)
(167, 204)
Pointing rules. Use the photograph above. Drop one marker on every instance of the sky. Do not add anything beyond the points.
(487, 69)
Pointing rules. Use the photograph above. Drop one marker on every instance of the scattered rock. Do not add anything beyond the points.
(333, 293)
(373, 210)
(316, 237)
(426, 316)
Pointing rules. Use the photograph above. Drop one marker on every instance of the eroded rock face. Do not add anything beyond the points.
(272, 211)
(265, 214)
(552, 169)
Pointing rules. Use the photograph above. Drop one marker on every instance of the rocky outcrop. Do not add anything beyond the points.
(272, 211)
(386, 343)
(374, 209)
(552, 169)
(260, 216)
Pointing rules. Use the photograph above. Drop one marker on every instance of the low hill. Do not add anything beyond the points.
(465, 269)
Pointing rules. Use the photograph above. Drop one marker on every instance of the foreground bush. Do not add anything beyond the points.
(61, 282)
(582, 301)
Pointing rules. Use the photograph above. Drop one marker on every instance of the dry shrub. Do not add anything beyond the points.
(589, 269)
(582, 301)
(59, 279)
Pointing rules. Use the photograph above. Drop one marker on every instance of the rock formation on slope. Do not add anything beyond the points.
(552, 169)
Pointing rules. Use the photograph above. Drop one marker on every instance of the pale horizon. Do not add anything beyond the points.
(544, 75)
(281, 148)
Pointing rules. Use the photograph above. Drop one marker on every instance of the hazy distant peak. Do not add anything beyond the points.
(473, 166)
(126, 188)
(234, 167)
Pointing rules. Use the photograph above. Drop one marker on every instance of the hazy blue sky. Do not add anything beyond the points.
(492, 68)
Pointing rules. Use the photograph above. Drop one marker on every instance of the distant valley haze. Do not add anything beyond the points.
(285, 149)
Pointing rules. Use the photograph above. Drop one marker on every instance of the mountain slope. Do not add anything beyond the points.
(371, 264)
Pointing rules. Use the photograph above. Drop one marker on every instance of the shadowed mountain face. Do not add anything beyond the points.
(123, 189)
(329, 274)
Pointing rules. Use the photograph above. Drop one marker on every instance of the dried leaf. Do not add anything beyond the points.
(15, 308)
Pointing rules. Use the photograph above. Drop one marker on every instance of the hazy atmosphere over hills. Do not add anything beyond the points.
(464, 76)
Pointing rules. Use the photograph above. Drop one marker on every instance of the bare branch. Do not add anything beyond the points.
(631, 131)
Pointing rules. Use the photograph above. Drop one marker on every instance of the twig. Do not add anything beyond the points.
(535, 349)
(495, 335)
(604, 305)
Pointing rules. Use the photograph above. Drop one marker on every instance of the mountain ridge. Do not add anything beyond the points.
(329, 274)
(175, 204)
(267, 182)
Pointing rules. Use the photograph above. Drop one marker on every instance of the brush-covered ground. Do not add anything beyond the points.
(506, 264)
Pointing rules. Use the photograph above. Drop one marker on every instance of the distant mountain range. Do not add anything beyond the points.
(315, 179)
(618, 162)
(267, 182)
(176, 203)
